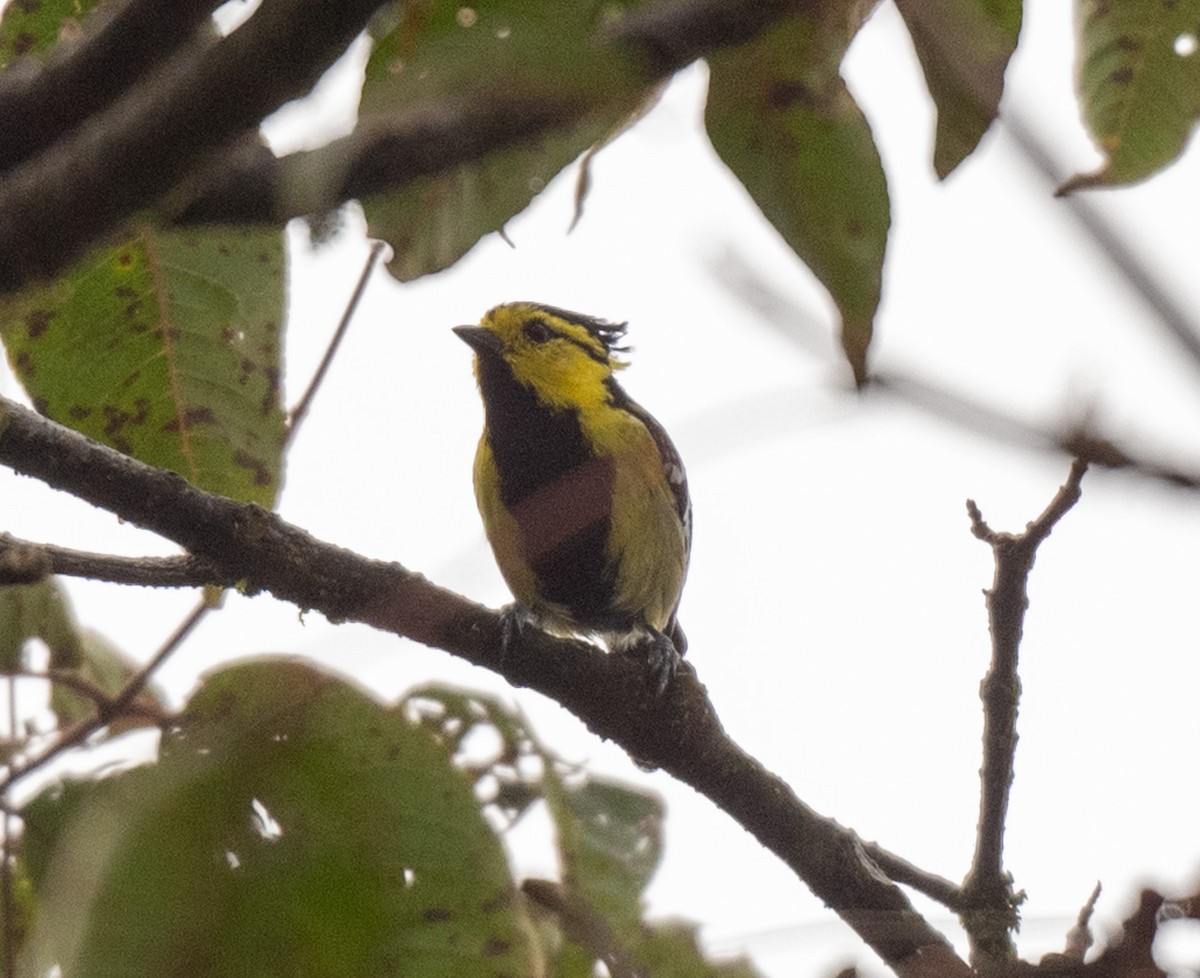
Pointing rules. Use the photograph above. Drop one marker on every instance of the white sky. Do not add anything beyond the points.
(833, 607)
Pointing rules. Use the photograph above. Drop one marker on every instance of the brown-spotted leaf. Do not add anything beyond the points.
(781, 118)
(33, 26)
(167, 348)
(1138, 72)
(964, 47)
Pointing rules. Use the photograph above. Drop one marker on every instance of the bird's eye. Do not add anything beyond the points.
(537, 331)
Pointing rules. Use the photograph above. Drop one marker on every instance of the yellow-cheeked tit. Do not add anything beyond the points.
(583, 495)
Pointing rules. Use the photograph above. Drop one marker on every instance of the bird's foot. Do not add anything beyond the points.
(513, 620)
(661, 658)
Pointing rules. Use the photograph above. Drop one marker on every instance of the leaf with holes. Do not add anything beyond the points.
(293, 826)
(1138, 73)
(167, 348)
(964, 47)
(781, 118)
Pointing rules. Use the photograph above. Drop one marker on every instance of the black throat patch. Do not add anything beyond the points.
(559, 493)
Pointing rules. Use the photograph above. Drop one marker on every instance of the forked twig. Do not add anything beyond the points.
(991, 913)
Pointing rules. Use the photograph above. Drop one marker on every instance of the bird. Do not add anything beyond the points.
(583, 496)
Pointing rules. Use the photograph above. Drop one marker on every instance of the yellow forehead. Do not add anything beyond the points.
(510, 322)
(559, 354)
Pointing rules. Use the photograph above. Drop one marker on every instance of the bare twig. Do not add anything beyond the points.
(938, 888)
(1079, 937)
(300, 411)
(106, 712)
(679, 732)
(991, 913)
(1077, 440)
(580, 921)
(19, 559)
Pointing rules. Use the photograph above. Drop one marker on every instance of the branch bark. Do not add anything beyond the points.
(193, 120)
(41, 104)
(678, 732)
(990, 914)
(210, 95)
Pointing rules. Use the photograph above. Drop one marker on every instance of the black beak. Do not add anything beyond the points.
(482, 341)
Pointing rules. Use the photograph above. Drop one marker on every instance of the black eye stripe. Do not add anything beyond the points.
(539, 331)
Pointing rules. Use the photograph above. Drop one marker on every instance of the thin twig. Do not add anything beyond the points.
(25, 562)
(992, 906)
(946, 892)
(300, 411)
(81, 731)
(1079, 937)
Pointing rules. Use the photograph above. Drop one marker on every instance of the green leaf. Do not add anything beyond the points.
(33, 26)
(436, 53)
(610, 844)
(108, 669)
(38, 611)
(1138, 73)
(781, 118)
(609, 835)
(964, 47)
(167, 348)
(292, 827)
(673, 951)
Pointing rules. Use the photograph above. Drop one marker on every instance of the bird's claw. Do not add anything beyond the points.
(513, 620)
(662, 662)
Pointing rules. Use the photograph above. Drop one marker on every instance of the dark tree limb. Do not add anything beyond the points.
(679, 732)
(990, 916)
(42, 103)
(193, 120)
(207, 97)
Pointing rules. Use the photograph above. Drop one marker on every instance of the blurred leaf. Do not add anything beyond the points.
(167, 348)
(964, 47)
(293, 827)
(1138, 74)
(610, 844)
(108, 669)
(31, 28)
(781, 118)
(609, 835)
(671, 950)
(41, 611)
(435, 53)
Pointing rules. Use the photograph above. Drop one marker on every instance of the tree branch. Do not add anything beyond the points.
(126, 157)
(39, 105)
(391, 151)
(24, 562)
(990, 916)
(679, 732)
